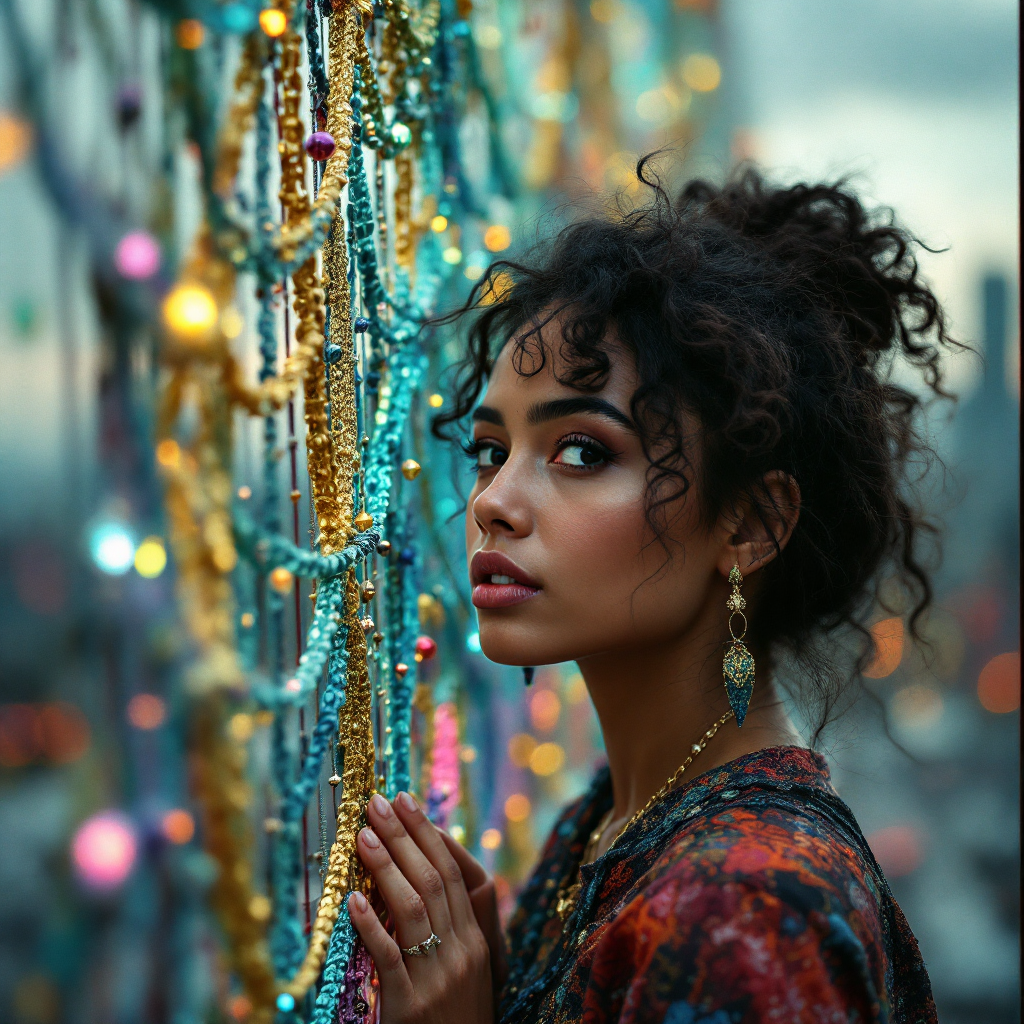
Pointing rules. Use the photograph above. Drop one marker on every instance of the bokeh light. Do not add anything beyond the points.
(497, 238)
(15, 140)
(999, 684)
(103, 850)
(491, 839)
(190, 33)
(517, 807)
(178, 826)
(273, 22)
(150, 558)
(146, 711)
(438, 223)
(547, 759)
(887, 637)
(137, 256)
(281, 579)
(452, 255)
(435, 401)
(190, 312)
(521, 748)
(112, 548)
(701, 72)
(899, 849)
(545, 708)
(168, 453)
(231, 322)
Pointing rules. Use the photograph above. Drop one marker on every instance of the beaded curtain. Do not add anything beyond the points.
(287, 424)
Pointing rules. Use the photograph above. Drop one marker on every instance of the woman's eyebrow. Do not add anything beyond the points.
(544, 411)
(485, 414)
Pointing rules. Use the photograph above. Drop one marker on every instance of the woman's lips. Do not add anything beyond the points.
(502, 595)
(498, 582)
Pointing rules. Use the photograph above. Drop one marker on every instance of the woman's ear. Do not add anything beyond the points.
(759, 525)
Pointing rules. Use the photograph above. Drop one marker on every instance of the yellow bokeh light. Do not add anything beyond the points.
(517, 807)
(231, 322)
(281, 580)
(473, 272)
(497, 237)
(189, 33)
(168, 454)
(701, 72)
(439, 223)
(604, 11)
(241, 727)
(245, 492)
(576, 689)
(491, 839)
(467, 754)
(458, 833)
(15, 140)
(521, 748)
(190, 312)
(452, 255)
(248, 620)
(887, 637)
(547, 759)
(150, 558)
(436, 401)
(273, 22)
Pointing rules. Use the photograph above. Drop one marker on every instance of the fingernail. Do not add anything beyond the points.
(370, 838)
(406, 800)
(360, 901)
(380, 805)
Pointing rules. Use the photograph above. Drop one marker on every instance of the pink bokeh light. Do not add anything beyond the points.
(137, 256)
(104, 850)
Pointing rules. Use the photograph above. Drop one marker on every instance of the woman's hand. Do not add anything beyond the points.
(426, 894)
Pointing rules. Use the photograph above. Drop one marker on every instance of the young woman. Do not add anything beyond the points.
(691, 452)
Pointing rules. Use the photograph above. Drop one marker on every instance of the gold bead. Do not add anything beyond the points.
(335, 780)
(410, 469)
(295, 495)
(368, 591)
(400, 669)
(363, 521)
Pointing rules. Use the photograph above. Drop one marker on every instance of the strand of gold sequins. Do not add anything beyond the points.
(344, 870)
(199, 491)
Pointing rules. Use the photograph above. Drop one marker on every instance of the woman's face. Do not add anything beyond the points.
(562, 562)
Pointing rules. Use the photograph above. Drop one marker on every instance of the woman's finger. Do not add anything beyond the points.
(428, 840)
(383, 950)
(408, 911)
(411, 860)
(473, 871)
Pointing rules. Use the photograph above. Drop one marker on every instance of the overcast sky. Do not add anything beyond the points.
(916, 98)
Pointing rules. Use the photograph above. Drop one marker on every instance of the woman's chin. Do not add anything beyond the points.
(507, 643)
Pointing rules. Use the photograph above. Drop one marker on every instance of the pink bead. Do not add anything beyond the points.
(137, 256)
(320, 145)
(426, 647)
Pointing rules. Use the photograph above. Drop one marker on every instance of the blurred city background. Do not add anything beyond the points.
(916, 103)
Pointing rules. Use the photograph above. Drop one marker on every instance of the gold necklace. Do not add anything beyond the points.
(567, 897)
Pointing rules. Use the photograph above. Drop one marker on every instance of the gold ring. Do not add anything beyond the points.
(422, 948)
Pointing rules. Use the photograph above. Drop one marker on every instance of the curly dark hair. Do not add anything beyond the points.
(774, 316)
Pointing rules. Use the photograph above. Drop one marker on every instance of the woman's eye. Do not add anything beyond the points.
(491, 457)
(582, 455)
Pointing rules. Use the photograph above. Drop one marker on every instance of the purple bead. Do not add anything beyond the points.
(320, 145)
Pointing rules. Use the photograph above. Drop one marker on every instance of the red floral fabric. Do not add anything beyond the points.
(748, 895)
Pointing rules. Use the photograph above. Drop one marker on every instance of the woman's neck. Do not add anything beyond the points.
(655, 703)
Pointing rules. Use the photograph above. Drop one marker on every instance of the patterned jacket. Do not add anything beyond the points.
(747, 895)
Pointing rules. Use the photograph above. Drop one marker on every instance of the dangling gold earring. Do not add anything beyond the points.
(738, 666)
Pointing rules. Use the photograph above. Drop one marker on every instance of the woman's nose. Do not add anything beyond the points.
(503, 505)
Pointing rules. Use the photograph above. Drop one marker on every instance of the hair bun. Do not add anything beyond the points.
(852, 261)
